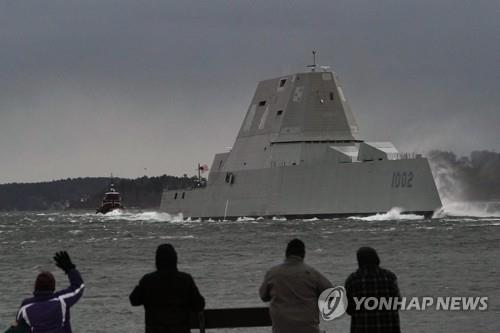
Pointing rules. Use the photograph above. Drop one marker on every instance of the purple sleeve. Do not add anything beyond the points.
(22, 316)
(73, 293)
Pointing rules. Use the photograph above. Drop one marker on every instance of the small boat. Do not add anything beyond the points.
(111, 201)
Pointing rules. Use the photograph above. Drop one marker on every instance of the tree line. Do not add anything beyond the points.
(471, 178)
(87, 193)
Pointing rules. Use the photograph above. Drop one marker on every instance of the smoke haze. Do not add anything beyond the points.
(468, 186)
(473, 178)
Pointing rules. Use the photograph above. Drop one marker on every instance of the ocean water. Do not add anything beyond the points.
(446, 256)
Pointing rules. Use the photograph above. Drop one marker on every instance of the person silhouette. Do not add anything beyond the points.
(370, 280)
(293, 288)
(168, 295)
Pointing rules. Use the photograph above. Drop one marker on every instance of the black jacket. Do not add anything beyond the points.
(168, 296)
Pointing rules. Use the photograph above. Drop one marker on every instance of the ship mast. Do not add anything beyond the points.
(313, 66)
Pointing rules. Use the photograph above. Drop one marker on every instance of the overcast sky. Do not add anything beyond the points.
(151, 87)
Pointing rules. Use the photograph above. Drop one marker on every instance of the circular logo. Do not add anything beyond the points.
(332, 303)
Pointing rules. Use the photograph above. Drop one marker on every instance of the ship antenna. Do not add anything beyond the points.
(313, 66)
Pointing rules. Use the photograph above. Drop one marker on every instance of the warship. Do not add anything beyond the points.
(299, 154)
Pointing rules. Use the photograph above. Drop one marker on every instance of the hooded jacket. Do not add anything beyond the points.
(48, 311)
(168, 296)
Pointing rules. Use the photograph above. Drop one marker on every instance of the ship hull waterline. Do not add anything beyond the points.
(324, 190)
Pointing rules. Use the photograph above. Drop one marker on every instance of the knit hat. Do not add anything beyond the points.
(45, 281)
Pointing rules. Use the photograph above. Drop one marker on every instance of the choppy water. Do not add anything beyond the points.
(448, 256)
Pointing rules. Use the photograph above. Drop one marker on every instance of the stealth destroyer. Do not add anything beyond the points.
(298, 154)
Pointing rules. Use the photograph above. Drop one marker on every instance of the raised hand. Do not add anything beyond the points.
(63, 261)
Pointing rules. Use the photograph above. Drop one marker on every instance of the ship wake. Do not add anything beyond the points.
(454, 192)
(143, 216)
(469, 209)
(395, 214)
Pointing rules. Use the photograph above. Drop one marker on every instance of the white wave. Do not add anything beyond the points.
(485, 224)
(391, 215)
(177, 237)
(311, 219)
(143, 216)
(469, 209)
(426, 228)
(116, 212)
(278, 218)
(27, 242)
(189, 219)
(84, 214)
(245, 219)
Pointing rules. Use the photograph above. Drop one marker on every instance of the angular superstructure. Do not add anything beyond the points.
(299, 154)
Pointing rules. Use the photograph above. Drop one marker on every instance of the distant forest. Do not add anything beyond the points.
(87, 193)
(472, 178)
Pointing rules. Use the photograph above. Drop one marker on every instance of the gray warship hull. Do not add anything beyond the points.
(298, 155)
(306, 191)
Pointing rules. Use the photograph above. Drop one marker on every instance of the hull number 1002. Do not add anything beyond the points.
(402, 179)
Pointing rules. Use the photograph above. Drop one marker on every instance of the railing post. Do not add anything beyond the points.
(201, 321)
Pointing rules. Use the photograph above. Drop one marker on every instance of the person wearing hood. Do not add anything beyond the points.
(168, 295)
(293, 288)
(370, 280)
(47, 310)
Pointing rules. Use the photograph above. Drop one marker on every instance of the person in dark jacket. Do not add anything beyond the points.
(370, 280)
(168, 296)
(48, 311)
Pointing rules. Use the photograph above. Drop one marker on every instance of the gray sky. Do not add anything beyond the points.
(93, 87)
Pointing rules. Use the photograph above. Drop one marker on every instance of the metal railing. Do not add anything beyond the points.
(230, 318)
(405, 156)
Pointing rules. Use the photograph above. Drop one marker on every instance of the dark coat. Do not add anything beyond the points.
(48, 311)
(372, 282)
(168, 297)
